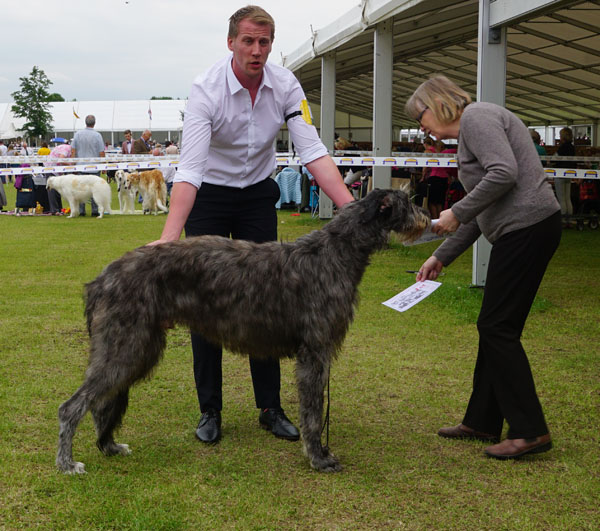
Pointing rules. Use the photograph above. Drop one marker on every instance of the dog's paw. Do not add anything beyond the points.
(327, 462)
(123, 449)
(74, 467)
(114, 448)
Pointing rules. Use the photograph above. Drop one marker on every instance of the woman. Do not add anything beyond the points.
(438, 184)
(509, 201)
(562, 187)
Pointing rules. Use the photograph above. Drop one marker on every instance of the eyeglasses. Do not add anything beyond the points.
(420, 117)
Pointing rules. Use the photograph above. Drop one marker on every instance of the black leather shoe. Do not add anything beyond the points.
(209, 427)
(275, 421)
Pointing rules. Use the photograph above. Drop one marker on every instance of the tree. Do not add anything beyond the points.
(31, 103)
(55, 96)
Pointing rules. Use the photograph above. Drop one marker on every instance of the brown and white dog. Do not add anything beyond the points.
(151, 185)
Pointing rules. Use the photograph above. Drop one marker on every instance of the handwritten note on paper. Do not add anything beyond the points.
(411, 296)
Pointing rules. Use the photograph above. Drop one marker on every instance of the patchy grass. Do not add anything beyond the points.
(398, 379)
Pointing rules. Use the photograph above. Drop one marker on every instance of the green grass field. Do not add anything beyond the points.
(399, 377)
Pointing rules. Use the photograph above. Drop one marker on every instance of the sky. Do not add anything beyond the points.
(132, 49)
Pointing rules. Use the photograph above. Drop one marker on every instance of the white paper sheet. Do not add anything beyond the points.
(412, 295)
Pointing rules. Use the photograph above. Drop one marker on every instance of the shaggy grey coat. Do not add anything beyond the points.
(252, 298)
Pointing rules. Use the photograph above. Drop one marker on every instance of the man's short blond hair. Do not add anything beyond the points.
(443, 97)
(255, 14)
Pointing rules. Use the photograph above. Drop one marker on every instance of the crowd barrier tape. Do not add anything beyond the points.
(82, 165)
(132, 163)
(440, 161)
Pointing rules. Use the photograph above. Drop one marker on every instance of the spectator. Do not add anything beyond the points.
(88, 143)
(142, 145)
(127, 146)
(3, 153)
(167, 171)
(44, 150)
(60, 151)
(39, 182)
(170, 148)
(562, 187)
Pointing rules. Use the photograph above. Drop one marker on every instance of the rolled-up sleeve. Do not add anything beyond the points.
(304, 135)
(197, 126)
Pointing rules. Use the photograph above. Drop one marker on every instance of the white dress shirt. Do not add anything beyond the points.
(227, 141)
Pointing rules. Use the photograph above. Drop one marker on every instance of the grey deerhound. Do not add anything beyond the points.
(252, 298)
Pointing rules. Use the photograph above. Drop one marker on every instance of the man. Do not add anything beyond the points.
(223, 187)
(88, 143)
(3, 153)
(127, 145)
(141, 145)
(170, 148)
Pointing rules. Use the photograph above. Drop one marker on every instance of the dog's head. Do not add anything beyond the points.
(131, 179)
(50, 183)
(392, 210)
(120, 178)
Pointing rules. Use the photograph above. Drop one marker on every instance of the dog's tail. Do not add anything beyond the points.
(161, 205)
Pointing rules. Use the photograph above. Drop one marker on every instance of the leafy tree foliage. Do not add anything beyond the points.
(55, 96)
(31, 103)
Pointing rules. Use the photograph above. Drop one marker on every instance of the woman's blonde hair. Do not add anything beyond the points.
(443, 97)
(566, 135)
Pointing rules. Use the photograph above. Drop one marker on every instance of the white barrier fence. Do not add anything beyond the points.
(141, 162)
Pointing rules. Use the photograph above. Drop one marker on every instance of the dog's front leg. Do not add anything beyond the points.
(312, 370)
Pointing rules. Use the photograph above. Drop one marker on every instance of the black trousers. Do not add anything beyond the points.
(244, 214)
(503, 386)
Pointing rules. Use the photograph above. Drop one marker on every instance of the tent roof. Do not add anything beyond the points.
(552, 68)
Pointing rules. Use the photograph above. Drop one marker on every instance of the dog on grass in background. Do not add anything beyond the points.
(126, 195)
(78, 189)
(151, 185)
(216, 286)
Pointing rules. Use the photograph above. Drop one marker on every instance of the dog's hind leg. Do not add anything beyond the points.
(107, 417)
(74, 206)
(312, 371)
(70, 414)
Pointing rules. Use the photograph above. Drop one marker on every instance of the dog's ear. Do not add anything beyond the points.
(375, 203)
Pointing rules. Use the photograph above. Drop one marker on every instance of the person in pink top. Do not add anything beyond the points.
(438, 184)
(61, 151)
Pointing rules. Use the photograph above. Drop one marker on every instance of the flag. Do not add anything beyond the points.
(75, 114)
(149, 112)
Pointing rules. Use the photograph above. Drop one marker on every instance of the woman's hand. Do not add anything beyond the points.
(446, 224)
(430, 270)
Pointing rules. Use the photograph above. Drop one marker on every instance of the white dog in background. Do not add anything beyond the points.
(126, 194)
(151, 185)
(78, 189)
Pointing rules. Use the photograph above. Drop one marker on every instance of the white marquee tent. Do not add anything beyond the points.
(163, 117)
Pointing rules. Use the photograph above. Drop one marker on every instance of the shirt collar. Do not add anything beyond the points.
(234, 83)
